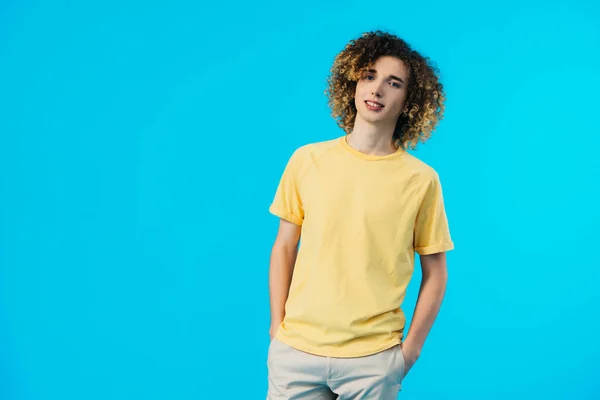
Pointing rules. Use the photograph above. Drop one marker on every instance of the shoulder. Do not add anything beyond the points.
(424, 172)
(307, 154)
(314, 150)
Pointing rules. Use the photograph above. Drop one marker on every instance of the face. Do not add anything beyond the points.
(381, 91)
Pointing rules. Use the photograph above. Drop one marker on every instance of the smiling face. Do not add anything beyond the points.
(381, 91)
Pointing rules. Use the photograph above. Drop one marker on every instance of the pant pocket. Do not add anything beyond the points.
(401, 364)
(270, 351)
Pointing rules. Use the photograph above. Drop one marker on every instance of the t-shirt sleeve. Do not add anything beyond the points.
(287, 203)
(432, 234)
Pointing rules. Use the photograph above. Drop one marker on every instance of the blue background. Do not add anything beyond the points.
(141, 145)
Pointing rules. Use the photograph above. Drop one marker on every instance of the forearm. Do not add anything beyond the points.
(431, 294)
(280, 277)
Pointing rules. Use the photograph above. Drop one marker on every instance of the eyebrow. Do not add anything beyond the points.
(391, 76)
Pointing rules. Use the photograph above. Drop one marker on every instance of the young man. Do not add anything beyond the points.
(363, 207)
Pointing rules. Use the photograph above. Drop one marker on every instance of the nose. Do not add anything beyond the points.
(377, 90)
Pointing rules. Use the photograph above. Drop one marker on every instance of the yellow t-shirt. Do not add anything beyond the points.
(363, 217)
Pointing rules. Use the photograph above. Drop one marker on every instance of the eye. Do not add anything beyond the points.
(396, 85)
(369, 77)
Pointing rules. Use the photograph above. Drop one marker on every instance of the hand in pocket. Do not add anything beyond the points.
(410, 356)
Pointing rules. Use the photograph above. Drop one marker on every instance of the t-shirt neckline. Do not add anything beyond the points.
(369, 157)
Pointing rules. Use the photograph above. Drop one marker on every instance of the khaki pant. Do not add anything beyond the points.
(295, 375)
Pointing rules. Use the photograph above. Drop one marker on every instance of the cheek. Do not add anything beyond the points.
(401, 101)
(359, 90)
(397, 108)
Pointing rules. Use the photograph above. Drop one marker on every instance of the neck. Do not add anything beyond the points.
(372, 139)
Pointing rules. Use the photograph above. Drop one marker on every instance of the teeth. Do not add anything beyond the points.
(374, 104)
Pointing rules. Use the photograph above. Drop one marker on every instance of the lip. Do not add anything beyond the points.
(374, 108)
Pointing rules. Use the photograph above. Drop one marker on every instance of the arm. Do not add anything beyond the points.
(431, 293)
(283, 258)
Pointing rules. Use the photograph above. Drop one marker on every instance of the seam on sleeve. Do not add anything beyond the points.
(436, 248)
(285, 215)
(313, 162)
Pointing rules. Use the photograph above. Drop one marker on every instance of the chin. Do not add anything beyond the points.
(372, 118)
(370, 115)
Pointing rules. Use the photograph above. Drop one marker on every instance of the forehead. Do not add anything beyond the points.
(390, 65)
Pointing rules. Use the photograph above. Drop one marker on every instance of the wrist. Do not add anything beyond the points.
(410, 344)
(276, 322)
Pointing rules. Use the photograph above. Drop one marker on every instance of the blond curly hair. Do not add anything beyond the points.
(424, 107)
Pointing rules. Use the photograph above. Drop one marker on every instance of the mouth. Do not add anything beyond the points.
(373, 105)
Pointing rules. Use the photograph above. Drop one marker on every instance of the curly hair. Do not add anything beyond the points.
(424, 107)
